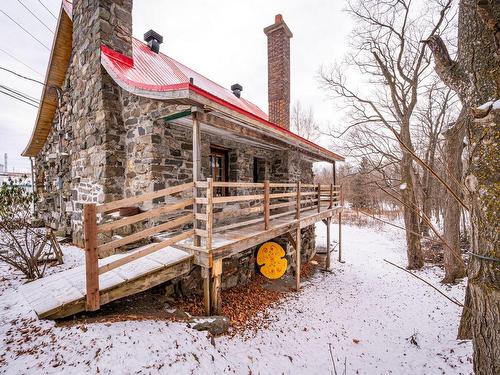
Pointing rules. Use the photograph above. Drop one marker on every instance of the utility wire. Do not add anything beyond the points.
(34, 15)
(21, 100)
(26, 31)
(20, 93)
(48, 10)
(21, 76)
(20, 62)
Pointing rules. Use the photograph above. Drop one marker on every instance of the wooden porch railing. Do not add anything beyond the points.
(265, 201)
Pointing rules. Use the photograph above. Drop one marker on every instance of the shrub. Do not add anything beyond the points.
(21, 245)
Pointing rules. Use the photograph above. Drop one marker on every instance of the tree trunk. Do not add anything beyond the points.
(475, 75)
(454, 266)
(411, 218)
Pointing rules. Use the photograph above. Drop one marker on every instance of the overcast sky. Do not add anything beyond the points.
(222, 40)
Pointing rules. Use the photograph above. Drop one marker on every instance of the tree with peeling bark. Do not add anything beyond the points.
(475, 75)
(388, 49)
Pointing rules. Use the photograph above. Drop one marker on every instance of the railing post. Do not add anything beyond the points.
(298, 241)
(297, 215)
(91, 256)
(266, 204)
(331, 196)
(209, 211)
(319, 198)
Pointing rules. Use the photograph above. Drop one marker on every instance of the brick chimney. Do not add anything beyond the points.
(278, 67)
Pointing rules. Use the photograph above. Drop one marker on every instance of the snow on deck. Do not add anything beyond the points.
(51, 292)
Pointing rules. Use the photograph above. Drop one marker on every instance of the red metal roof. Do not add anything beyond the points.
(148, 70)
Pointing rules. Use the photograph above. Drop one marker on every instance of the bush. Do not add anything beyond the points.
(21, 245)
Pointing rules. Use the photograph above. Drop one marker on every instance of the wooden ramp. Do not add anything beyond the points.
(64, 293)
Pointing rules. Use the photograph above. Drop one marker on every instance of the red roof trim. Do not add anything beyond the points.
(121, 58)
(264, 121)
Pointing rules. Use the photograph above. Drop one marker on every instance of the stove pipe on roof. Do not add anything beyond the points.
(236, 89)
(154, 40)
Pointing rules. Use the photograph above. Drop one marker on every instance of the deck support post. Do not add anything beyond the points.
(298, 240)
(328, 243)
(91, 256)
(216, 287)
(266, 205)
(196, 170)
(205, 274)
(340, 236)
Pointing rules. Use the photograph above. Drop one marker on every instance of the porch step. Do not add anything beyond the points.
(64, 293)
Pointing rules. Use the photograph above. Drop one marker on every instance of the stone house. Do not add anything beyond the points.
(117, 118)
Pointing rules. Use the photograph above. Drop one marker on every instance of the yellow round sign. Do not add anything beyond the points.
(272, 261)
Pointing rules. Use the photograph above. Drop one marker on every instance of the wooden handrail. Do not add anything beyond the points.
(237, 198)
(238, 184)
(147, 232)
(283, 185)
(144, 216)
(111, 206)
(142, 253)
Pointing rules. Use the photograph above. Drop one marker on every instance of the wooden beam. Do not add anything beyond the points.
(181, 220)
(210, 217)
(298, 245)
(112, 206)
(144, 216)
(91, 256)
(196, 172)
(297, 240)
(340, 237)
(216, 287)
(266, 205)
(319, 198)
(205, 274)
(328, 243)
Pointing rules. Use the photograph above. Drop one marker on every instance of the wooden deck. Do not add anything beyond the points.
(65, 293)
(193, 229)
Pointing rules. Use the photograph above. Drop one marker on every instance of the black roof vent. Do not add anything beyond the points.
(154, 40)
(237, 89)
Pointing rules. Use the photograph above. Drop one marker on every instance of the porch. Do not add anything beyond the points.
(189, 231)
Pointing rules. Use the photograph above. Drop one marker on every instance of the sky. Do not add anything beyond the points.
(223, 40)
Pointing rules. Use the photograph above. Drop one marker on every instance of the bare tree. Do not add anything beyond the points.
(388, 51)
(304, 123)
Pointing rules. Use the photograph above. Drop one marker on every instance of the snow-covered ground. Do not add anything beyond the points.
(364, 313)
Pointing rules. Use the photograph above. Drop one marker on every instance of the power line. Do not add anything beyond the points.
(26, 31)
(21, 100)
(48, 10)
(34, 15)
(20, 93)
(21, 76)
(20, 62)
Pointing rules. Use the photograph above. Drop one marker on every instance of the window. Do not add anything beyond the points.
(218, 168)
